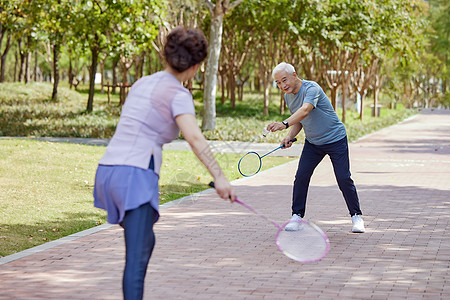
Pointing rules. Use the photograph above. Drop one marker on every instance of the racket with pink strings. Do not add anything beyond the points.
(307, 244)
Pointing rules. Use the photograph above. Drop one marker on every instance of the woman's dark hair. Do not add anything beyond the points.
(185, 48)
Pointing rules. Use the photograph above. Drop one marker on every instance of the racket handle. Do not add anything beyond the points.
(211, 184)
(292, 141)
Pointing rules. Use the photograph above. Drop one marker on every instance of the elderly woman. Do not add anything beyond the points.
(126, 183)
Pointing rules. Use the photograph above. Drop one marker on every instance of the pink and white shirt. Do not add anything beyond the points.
(147, 121)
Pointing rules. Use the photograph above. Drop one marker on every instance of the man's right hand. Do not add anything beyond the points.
(286, 142)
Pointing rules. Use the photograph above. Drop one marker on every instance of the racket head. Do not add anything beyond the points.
(308, 244)
(249, 164)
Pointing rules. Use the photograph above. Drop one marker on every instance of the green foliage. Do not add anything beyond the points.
(440, 38)
(444, 100)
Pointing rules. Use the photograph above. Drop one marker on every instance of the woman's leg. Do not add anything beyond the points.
(139, 243)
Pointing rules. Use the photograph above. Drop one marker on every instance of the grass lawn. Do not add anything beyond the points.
(46, 188)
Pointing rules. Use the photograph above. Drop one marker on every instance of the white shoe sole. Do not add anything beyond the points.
(293, 226)
(357, 230)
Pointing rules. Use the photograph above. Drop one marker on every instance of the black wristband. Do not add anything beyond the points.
(285, 124)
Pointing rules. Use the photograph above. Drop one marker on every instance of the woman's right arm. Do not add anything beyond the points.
(191, 132)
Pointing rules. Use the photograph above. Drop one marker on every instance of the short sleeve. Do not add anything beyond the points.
(182, 104)
(312, 95)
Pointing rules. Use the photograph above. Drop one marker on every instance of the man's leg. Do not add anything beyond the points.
(310, 158)
(339, 156)
(139, 241)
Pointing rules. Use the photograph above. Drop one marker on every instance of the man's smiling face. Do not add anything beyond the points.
(288, 83)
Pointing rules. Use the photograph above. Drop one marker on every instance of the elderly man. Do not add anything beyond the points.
(311, 110)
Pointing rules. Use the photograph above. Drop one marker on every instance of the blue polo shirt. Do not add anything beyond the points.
(322, 125)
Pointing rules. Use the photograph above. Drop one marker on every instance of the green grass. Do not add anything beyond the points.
(45, 192)
(46, 188)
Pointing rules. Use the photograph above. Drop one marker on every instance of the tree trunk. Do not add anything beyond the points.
(222, 78)
(376, 92)
(375, 102)
(282, 103)
(344, 92)
(217, 12)
(27, 67)
(92, 71)
(102, 71)
(114, 74)
(232, 86)
(124, 67)
(71, 76)
(56, 50)
(28, 60)
(212, 65)
(361, 112)
(267, 82)
(333, 97)
(3, 59)
(35, 71)
(16, 66)
(22, 61)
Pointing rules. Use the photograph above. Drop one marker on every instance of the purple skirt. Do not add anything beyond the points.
(121, 188)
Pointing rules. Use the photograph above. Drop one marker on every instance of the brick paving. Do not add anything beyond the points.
(209, 249)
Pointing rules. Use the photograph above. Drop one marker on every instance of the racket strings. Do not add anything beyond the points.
(306, 244)
(250, 164)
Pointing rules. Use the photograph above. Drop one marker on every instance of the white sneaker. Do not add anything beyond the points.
(294, 223)
(358, 224)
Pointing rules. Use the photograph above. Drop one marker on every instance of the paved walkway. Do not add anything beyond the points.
(209, 249)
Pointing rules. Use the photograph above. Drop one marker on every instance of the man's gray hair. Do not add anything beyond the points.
(288, 68)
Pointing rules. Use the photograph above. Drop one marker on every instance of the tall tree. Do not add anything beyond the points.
(99, 23)
(400, 32)
(55, 25)
(15, 24)
(129, 39)
(236, 50)
(217, 12)
(440, 40)
(270, 34)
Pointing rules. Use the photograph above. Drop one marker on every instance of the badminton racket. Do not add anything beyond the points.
(307, 244)
(251, 162)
